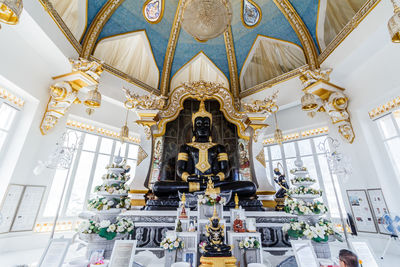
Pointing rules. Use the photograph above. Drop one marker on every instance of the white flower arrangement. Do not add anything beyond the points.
(300, 207)
(301, 169)
(105, 228)
(171, 244)
(211, 200)
(102, 203)
(113, 189)
(121, 165)
(302, 190)
(249, 243)
(202, 247)
(298, 180)
(320, 232)
(116, 177)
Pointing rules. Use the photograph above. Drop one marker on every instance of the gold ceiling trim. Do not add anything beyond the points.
(317, 24)
(350, 26)
(169, 55)
(309, 48)
(48, 7)
(97, 25)
(268, 84)
(231, 56)
(127, 77)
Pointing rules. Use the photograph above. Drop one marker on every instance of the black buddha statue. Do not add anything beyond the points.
(281, 181)
(215, 239)
(200, 160)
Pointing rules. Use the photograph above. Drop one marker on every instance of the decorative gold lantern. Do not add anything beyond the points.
(206, 19)
(93, 100)
(10, 10)
(394, 24)
(124, 135)
(278, 135)
(308, 102)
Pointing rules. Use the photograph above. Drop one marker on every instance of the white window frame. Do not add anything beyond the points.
(12, 126)
(314, 154)
(71, 175)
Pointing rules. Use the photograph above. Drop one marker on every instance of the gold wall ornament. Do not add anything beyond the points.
(142, 155)
(64, 92)
(149, 101)
(263, 106)
(261, 157)
(93, 99)
(231, 56)
(334, 101)
(308, 102)
(10, 10)
(124, 134)
(205, 20)
(394, 23)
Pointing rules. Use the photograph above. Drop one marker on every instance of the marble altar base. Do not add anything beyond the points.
(218, 262)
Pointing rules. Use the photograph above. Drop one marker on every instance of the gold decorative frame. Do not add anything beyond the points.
(241, 14)
(161, 15)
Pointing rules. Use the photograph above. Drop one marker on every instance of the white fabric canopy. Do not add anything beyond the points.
(199, 68)
(268, 59)
(73, 13)
(130, 53)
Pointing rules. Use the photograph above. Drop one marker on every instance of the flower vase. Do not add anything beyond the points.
(251, 255)
(322, 249)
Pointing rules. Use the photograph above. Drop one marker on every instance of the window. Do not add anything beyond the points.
(85, 173)
(307, 150)
(7, 117)
(389, 128)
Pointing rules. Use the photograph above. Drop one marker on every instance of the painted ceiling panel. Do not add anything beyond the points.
(273, 24)
(308, 12)
(94, 7)
(187, 48)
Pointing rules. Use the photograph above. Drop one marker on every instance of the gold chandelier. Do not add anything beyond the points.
(278, 135)
(124, 134)
(10, 10)
(93, 100)
(394, 23)
(206, 19)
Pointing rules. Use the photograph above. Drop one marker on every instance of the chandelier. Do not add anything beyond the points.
(124, 135)
(394, 23)
(206, 19)
(93, 100)
(278, 135)
(61, 157)
(10, 10)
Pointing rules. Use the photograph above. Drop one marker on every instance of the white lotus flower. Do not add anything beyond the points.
(309, 234)
(176, 244)
(171, 246)
(165, 246)
(111, 228)
(104, 223)
(104, 201)
(120, 229)
(110, 203)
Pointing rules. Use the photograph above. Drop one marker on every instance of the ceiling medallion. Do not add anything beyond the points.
(206, 19)
(153, 11)
(251, 14)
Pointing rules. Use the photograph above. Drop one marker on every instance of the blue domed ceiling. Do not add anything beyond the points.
(276, 20)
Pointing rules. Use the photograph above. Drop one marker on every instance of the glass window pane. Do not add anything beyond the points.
(396, 116)
(305, 147)
(3, 136)
(275, 152)
(132, 172)
(73, 136)
(82, 176)
(90, 142)
(318, 141)
(290, 150)
(393, 147)
(7, 115)
(309, 163)
(55, 193)
(133, 151)
(106, 145)
(386, 127)
(290, 165)
(118, 147)
(266, 153)
(101, 164)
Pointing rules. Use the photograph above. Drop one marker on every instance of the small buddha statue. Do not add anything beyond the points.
(281, 181)
(200, 160)
(215, 238)
(238, 225)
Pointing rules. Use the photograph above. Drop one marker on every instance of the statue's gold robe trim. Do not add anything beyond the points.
(222, 156)
(183, 156)
(203, 165)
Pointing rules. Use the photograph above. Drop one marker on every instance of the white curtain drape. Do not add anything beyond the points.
(73, 13)
(199, 68)
(337, 15)
(270, 59)
(130, 53)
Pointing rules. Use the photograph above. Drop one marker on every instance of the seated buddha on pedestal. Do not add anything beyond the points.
(200, 160)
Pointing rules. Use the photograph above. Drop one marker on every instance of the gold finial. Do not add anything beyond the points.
(183, 199)
(215, 214)
(202, 112)
(236, 201)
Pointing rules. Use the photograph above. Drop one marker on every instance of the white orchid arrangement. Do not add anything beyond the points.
(302, 190)
(116, 189)
(105, 228)
(320, 232)
(211, 200)
(249, 243)
(298, 180)
(116, 177)
(121, 165)
(102, 203)
(171, 244)
(301, 169)
(301, 207)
